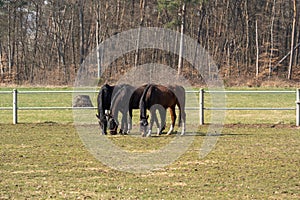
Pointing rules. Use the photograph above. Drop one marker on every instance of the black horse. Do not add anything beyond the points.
(164, 97)
(105, 96)
(125, 100)
(119, 103)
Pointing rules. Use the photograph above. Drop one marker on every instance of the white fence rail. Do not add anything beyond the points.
(201, 107)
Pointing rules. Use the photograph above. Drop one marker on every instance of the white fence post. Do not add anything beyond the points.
(15, 106)
(298, 107)
(201, 106)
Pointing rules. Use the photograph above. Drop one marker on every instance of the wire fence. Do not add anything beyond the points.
(201, 107)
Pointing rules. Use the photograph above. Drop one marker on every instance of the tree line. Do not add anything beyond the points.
(45, 42)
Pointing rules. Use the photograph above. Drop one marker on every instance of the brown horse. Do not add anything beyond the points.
(125, 100)
(164, 97)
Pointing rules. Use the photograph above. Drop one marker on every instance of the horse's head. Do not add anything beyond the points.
(103, 102)
(144, 124)
(112, 125)
(103, 123)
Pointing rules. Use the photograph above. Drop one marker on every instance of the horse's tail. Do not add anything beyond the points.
(179, 120)
(181, 104)
(142, 103)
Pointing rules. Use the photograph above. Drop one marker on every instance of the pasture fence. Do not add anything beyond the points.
(201, 106)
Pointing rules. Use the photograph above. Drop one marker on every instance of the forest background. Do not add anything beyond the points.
(253, 42)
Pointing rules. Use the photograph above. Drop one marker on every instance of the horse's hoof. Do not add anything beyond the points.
(148, 134)
(113, 133)
(158, 132)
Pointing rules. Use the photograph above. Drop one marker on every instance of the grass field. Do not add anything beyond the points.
(257, 156)
(44, 161)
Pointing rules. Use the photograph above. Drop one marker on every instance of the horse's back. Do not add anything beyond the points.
(122, 94)
(159, 94)
(136, 96)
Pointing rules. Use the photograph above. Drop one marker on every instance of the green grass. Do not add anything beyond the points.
(44, 161)
(43, 156)
(39, 100)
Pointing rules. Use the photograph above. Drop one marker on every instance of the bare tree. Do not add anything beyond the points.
(142, 15)
(293, 39)
(181, 47)
(82, 34)
(257, 49)
(42, 39)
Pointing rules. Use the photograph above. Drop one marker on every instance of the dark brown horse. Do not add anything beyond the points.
(103, 103)
(120, 103)
(106, 94)
(125, 100)
(163, 97)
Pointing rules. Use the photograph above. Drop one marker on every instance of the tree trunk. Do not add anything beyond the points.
(10, 59)
(142, 8)
(81, 24)
(292, 40)
(1, 62)
(181, 47)
(272, 39)
(98, 29)
(202, 15)
(247, 59)
(257, 49)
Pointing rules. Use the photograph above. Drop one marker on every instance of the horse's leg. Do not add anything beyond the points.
(116, 117)
(181, 121)
(156, 120)
(153, 118)
(123, 129)
(173, 118)
(103, 123)
(183, 115)
(162, 112)
(130, 120)
(126, 123)
(104, 126)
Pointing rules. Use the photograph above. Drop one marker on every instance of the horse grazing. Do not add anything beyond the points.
(105, 96)
(103, 103)
(164, 97)
(125, 100)
(119, 103)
